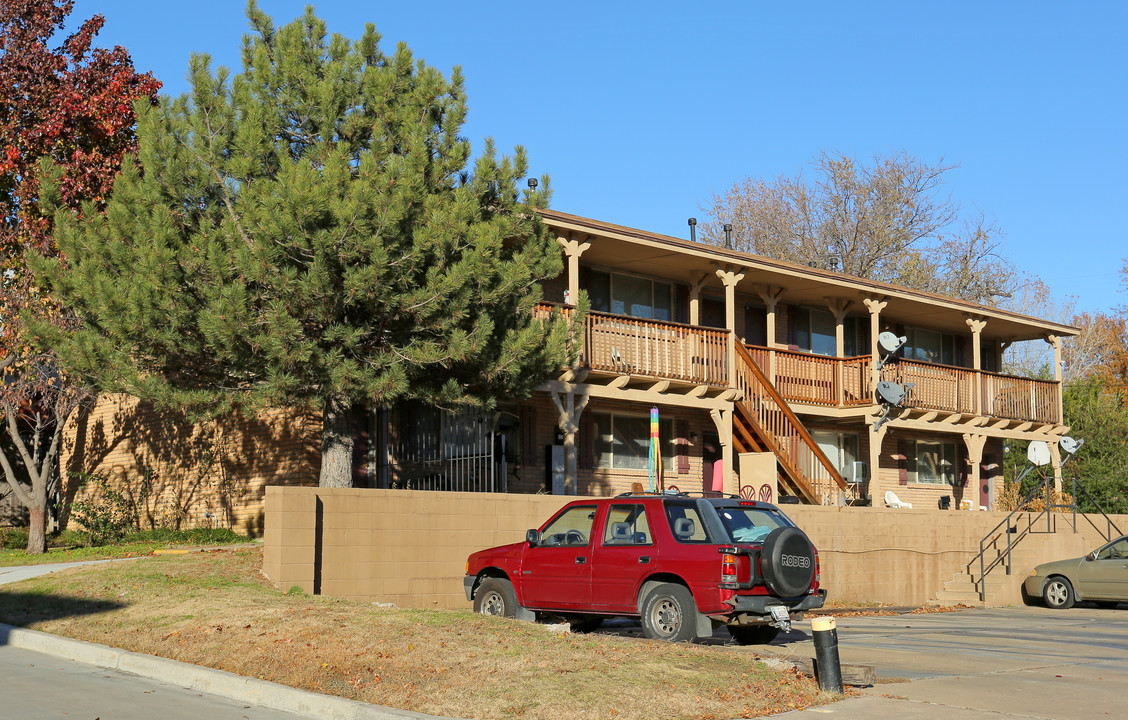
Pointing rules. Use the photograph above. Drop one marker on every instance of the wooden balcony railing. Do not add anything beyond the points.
(798, 454)
(674, 351)
(810, 379)
(658, 349)
(936, 387)
(1020, 398)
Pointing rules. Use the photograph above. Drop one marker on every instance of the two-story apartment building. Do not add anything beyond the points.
(762, 372)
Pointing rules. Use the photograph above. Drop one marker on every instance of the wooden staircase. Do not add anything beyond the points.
(762, 421)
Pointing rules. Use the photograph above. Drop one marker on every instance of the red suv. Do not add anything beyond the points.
(682, 564)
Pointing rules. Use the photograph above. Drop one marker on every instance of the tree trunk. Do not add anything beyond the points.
(37, 530)
(336, 444)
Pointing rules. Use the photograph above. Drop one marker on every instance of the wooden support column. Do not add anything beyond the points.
(722, 418)
(573, 249)
(974, 444)
(875, 306)
(730, 278)
(873, 486)
(838, 308)
(569, 408)
(1055, 342)
(1055, 461)
(976, 324)
(770, 295)
(695, 299)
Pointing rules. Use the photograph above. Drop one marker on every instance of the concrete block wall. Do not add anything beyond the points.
(410, 547)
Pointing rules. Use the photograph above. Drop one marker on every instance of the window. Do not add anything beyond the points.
(815, 331)
(931, 462)
(631, 295)
(622, 441)
(570, 528)
(930, 346)
(685, 523)
(627, 525)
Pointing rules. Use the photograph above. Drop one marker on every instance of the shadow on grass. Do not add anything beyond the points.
(23, 609)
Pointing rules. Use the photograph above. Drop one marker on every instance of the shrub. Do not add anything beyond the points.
(13, 538)
(105, 513)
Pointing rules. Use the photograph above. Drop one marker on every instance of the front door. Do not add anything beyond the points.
(624, 555)
(712, 469)
(556, 572)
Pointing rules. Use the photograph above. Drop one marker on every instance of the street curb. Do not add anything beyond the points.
(259, 693)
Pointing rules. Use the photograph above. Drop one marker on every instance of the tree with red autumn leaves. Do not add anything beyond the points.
(66, 113)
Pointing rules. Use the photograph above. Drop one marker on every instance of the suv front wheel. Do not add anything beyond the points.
(669, 613)
(496, 597)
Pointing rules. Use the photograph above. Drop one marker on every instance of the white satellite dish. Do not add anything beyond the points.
(890, 393)
(890, 343)
(1069, 445)
(1038, 453)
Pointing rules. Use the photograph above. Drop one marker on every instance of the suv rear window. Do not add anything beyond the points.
(747, 524)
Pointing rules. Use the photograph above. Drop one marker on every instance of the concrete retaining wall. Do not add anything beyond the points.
(410, 547)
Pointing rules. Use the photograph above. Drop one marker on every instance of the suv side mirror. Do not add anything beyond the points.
(533, 537)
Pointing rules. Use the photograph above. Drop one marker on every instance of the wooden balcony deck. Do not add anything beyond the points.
(687, 353)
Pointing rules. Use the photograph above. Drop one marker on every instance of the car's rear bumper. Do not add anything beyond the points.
(759, 604)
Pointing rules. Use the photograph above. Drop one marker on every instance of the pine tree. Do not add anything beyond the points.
(309, 233)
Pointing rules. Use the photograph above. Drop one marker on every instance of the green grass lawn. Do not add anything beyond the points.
(70, 546)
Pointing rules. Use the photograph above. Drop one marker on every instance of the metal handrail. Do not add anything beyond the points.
(1043, 486)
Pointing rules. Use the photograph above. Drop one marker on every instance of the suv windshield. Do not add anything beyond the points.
(749, 524)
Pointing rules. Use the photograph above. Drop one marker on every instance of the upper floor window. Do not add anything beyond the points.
(631, 295)
(815, 331)
(930, 346)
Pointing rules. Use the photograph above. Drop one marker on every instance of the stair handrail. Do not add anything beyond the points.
(1043, 486)
(793, 421)
(1109, 524)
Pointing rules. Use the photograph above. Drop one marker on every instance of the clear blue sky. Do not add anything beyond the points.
(641, 111)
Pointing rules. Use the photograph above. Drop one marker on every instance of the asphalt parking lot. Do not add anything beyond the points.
(1018, 662)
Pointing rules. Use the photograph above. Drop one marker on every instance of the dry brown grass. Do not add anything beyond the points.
(214, 609)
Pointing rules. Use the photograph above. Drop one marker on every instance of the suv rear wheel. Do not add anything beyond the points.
(669, 613)
(753, 634)
(496, 597)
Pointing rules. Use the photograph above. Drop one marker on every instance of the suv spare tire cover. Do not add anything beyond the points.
(787, 562)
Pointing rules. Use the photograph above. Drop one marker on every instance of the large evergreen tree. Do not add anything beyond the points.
(309, 233)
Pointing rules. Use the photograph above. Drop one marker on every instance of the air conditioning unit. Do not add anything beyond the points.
(857, 472)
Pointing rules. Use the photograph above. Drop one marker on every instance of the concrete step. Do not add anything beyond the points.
(950, 598)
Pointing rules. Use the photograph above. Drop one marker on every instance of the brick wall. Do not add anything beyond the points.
(176, 471)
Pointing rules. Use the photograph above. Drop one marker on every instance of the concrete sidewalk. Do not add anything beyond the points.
(15, 573)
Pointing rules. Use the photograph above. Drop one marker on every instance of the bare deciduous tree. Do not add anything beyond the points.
(888, 221)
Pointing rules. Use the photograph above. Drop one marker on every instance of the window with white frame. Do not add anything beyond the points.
(931, 462)
(622, 441)
(631, 295)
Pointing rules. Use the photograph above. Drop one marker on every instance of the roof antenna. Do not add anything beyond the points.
(728, 236)
(533, 184)
(693, 229)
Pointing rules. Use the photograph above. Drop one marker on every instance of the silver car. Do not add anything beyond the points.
(1100, 576)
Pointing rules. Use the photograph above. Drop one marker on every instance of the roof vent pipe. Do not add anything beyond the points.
(693, 229)
(728, 236)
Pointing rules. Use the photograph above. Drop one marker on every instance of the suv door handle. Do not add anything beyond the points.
(581, 560)
(643, 559)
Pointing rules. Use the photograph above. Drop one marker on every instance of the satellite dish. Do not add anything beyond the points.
(890, 393)
(890, 343)
(1069, 445)
(1038, 453)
